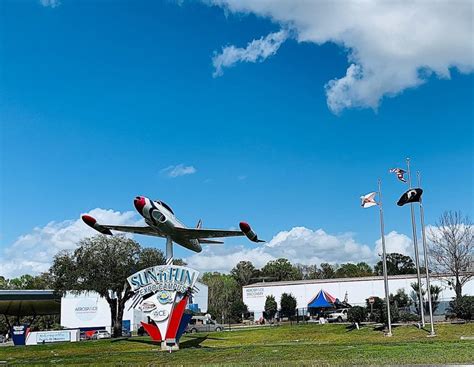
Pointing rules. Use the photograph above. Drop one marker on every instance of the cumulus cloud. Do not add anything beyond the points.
(50, 3)
(395, 242)
(179, 170)
(391, 45)
(256, 51)
(299, 245)
(32, 253)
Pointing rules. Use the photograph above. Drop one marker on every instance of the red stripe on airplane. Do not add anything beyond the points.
(152, 330)
(175, 320)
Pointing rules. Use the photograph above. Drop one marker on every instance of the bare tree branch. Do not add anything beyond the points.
(451, 248)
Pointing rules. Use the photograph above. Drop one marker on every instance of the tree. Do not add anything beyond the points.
(271, 307)
(223, 293)
(328, 271)
(397, 264)
(287, 305)
(238, 310)
(243, 272)
(26, 281)
(350, 270)
(281, 269)
(451, 248)
(179, 262)
(309, 271)
(102, 264)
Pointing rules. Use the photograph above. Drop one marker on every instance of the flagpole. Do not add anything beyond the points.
(384, 261)
(425, 253)
(415, 244)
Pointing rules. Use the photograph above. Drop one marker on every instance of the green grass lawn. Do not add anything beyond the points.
(309, 344)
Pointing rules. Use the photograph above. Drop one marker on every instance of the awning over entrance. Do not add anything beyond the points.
(29, 302)
(321, 300)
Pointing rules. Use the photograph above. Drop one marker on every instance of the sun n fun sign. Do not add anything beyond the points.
(162, 293)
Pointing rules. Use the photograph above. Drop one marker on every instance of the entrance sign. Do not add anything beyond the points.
(162, 293)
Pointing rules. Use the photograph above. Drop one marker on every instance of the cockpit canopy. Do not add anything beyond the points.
(165, 205)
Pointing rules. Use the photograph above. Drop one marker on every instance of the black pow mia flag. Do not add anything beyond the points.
(411, 196)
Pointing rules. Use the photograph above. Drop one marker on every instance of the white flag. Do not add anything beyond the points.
(368, 200)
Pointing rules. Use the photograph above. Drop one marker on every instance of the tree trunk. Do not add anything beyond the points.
(118, 324)
(113, 315)
(458, 288)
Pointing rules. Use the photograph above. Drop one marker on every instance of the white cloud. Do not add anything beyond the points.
(395, 242)
(257, 50)
(32, 253)
(299, 245)
(391, 45)
(50, 3)
(179, 170)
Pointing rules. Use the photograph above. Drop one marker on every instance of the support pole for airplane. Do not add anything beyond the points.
(169, 251)
(415, 245)
(384, 261)
(425, 253)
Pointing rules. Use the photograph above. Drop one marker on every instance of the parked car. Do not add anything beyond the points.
(101, 334)
(203, 324)
(339, 315)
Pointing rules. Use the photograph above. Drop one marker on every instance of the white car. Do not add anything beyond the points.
(339, 315)
(101, 334)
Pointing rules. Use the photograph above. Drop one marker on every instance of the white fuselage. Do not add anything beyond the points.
(160, 217)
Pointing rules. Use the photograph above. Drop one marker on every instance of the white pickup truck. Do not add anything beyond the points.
(339, 315)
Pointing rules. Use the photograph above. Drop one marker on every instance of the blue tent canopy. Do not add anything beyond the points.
(322, 299)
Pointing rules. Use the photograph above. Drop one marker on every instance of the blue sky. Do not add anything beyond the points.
(98, 98)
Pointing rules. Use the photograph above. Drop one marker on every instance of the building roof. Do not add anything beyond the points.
(29, 302)
(337, 280)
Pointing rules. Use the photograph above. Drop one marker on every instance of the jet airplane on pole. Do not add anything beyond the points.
(162, 222)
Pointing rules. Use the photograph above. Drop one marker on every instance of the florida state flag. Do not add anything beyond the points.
(411, 196)
(368, 200)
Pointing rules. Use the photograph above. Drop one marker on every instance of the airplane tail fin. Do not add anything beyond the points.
(199, 224)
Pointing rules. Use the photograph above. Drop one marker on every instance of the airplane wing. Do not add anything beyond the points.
(105, 228)
(199, 233)
(194, 233)
(203, 240)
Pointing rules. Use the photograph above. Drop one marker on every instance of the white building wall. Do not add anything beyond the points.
(88, 309)
(358, 290)
(201, 297)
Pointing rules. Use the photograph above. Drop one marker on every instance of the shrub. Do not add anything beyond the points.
(408, 316)
(380, 311)
(462, 308)
(357, 314)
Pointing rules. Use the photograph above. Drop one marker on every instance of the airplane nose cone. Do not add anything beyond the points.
(139, 203)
